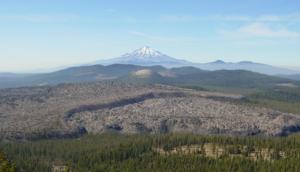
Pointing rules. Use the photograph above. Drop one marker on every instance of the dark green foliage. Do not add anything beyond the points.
(291, 95)
(195, 88)
(229, 78)
(283, 99)
(222, 79)
(110, 152)
(5, 165)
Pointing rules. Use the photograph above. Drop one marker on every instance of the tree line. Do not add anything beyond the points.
(113, 152)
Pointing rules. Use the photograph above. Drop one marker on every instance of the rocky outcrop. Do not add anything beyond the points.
(193, 114)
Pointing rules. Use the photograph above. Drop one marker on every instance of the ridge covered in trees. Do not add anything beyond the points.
(113, 152)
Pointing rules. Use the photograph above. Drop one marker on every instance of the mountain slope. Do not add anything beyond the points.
(73, 75)
(222, 79)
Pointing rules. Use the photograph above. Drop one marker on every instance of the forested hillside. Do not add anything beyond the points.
(111, 152)
(236, 79)
(285, 99)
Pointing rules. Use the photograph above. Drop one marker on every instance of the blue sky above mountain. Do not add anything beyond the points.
(43, 34)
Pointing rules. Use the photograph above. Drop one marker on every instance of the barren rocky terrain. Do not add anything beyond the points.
(70, 110)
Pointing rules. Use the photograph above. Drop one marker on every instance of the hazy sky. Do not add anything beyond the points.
(36, 34)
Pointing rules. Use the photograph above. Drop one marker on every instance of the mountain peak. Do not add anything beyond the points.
(219, 62)
(145, 52)
(146, 48)
(146, 56)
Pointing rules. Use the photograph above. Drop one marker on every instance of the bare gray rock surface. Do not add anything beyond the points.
(70, 110)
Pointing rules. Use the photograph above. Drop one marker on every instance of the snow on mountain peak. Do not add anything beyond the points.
(144, 52)
(146, 56)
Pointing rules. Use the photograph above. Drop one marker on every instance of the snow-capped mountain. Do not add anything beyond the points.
(146, 56)
(145, 52)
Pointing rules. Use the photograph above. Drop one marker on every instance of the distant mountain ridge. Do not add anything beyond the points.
(189, 76)
(246, 65)
(147, 56)
(151, 66)
(293, 77)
